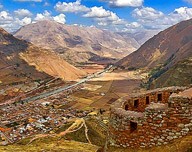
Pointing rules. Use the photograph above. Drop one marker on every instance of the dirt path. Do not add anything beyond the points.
(77, 125)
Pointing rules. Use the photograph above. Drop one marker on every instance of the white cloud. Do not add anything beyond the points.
(60, 18)
(125, 3)
(6, 20)
(17, 22)
(73, 7)
(47, 16)
(113, 19)
(23, 13)
(43, 16)
(182, 13)
(26, 20)
(5, 17)
(131, 27)
(154, 19)
(97, 12)
(104, 17)
(28, 0)
(11, 23)
(147, 13)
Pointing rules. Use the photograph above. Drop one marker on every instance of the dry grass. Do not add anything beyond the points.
(51, 145)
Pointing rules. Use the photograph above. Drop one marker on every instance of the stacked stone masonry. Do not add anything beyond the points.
(155, 118)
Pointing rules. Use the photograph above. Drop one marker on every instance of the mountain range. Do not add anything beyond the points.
(166, 55)
(78, 44)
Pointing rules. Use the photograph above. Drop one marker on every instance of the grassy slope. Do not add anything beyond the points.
(95, 134)
(51, 145)
(178, 75)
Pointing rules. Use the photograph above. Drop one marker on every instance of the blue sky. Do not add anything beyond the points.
(118, 15)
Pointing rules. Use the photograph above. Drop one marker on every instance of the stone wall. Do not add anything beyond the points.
(159, 124)
(158, 96)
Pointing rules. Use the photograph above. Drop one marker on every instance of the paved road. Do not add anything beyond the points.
(59, 90)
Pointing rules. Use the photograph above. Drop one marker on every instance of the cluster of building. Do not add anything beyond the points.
(22, 120)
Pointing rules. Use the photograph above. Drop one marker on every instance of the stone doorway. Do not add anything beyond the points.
(147, 100)
(126, 107)
(133, 126)
(136, 103)
(159, 97)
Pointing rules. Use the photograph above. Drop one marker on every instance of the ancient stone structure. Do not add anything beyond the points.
(154, 118)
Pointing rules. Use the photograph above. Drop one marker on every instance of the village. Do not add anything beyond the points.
(42, 116)
(41, 113)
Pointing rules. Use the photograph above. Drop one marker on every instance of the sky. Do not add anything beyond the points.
(116, 15)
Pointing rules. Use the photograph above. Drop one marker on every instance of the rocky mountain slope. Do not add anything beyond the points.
(165, 54)
(77, 44)
(169, 46)
(21, 61)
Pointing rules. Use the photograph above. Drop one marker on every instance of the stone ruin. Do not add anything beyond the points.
(154, 118)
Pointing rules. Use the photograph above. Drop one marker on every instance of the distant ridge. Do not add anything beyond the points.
(78, 44)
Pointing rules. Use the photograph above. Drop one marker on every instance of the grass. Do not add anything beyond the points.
(77, 136)
(95, 135)
(50, 145)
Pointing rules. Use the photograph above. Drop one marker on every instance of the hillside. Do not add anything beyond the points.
(20, 61)
(166, 48)
(51, 63)
(13, 69)
(78, 44)
(178, 75)
(167, 57)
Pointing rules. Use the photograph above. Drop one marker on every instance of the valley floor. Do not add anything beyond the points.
(100, 92)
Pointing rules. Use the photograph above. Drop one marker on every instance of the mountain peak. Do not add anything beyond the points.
(46, 21)
(76, 43)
